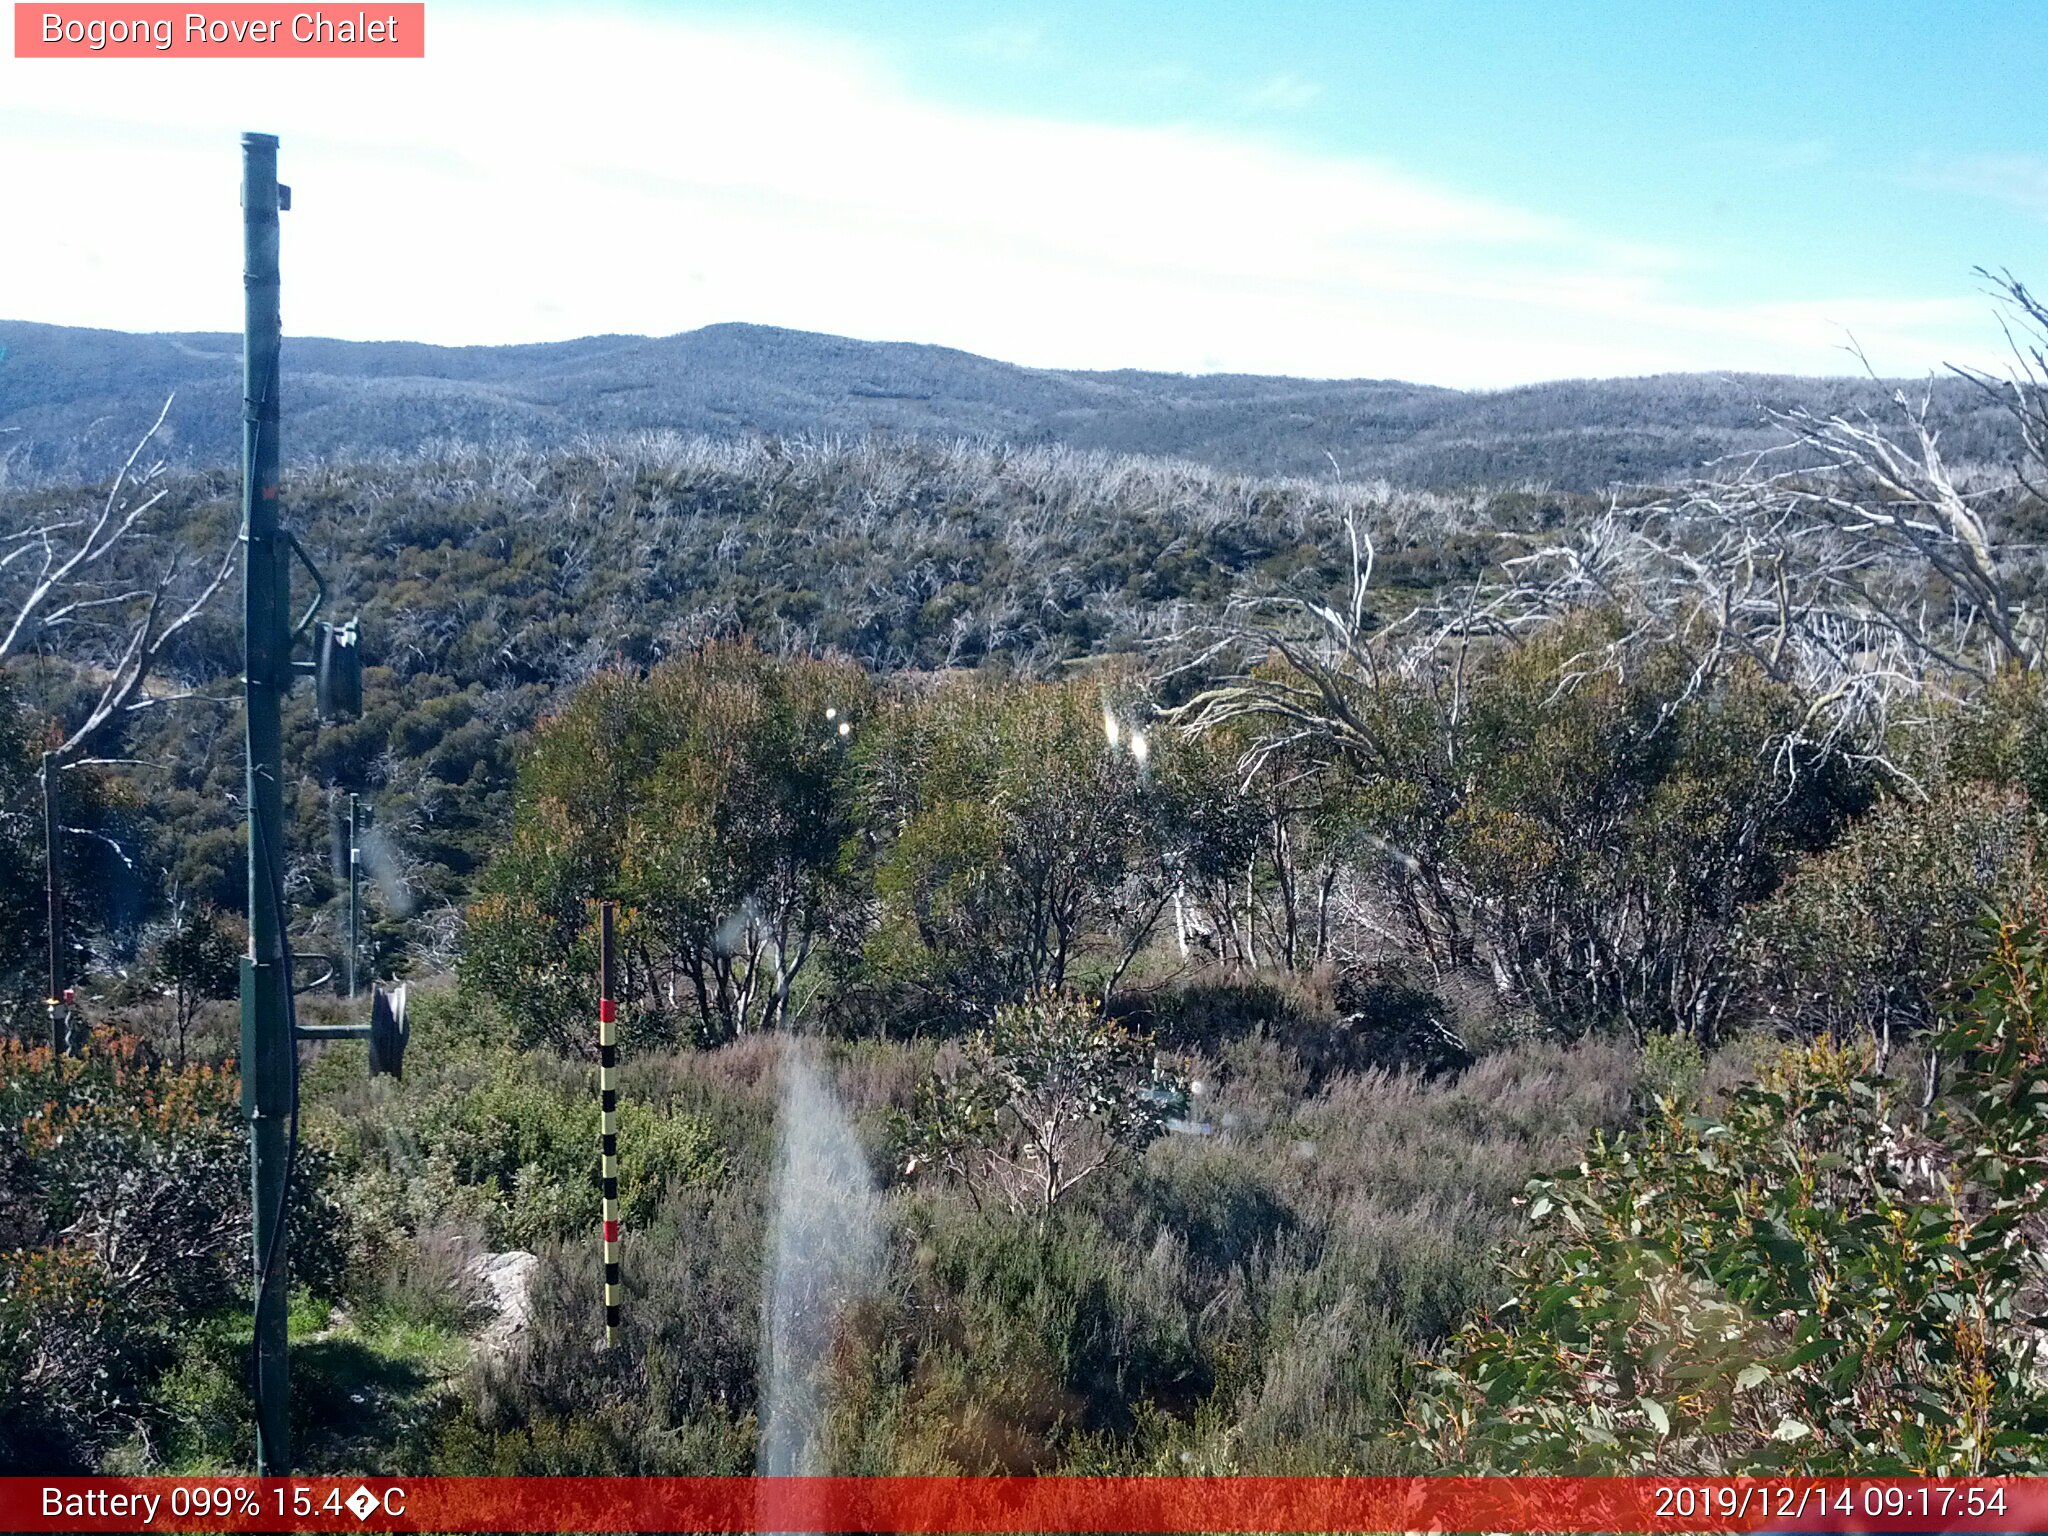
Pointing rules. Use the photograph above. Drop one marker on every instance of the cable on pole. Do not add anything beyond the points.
(61, 1042)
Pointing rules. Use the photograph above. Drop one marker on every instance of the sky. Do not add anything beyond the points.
(1461, 193)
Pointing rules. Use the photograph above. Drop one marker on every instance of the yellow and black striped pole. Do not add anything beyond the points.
(608, 1103)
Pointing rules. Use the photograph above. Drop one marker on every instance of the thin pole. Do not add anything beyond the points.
(267, 1046)
(53, 898)
(355, 895)
(608, 1108)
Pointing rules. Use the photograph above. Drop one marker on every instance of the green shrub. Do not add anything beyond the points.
(1391, 1017)
(1046, 1097)
(1579, 816)
(662, 1154)
(713, 796)
(1810, 1282)
(202, 1402)
(74, 1362)
(1331, 1383)
(1673, 1067)
(505, 1144)
(1217, 1007)
(677, 1397)
(1064, 1333)
(1007, 832)
(1875, 936)
(124, 1199)
(1247, 1299)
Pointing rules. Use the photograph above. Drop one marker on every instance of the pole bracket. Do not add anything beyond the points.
(319, 582)
(333, 1031)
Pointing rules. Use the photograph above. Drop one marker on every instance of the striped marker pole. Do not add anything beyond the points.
(608, 1103)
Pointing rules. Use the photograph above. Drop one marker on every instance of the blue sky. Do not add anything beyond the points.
(1462, 193)
(1871, 145)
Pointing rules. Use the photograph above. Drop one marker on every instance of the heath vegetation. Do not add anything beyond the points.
(1221, 904)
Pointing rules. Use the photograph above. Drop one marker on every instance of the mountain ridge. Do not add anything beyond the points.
(74, 399)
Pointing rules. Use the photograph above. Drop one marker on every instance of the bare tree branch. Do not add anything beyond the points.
(65, 595)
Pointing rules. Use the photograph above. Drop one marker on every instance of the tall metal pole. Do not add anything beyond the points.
(355, 893)
(53, 900)
(268, 1068)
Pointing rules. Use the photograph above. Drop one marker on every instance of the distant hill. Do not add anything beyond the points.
(72, 402)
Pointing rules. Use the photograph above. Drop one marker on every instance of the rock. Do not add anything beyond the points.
(503, 1279)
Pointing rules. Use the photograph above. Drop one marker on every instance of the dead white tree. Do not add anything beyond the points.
(1317, 688)
(69, 589)
(1886, 490)
(1860, 544)
(1741, 572)
(1854, 569)
(1854, 562)
(1716, 584)
(2023, 390)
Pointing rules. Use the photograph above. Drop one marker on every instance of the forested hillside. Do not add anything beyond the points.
(70, 401)
(490, 583)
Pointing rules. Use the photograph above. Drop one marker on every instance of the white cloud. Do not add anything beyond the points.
(1283, 92)
(2020, 181)
(545, 175)
(1012, 44)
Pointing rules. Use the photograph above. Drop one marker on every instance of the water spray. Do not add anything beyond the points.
(825, 1254)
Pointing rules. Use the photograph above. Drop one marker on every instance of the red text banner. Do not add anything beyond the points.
(375, 31)
(1020, 1504)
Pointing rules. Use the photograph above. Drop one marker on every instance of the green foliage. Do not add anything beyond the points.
(1189, 1286)
(492, 585)
(1223, 1303)
(506, 1144)
(713, 797)
(1615, 832)
(1209, 836)
(1008, 831)
(1585, 835)
(1997, 735)
(369, 1386)
(202, 1399)
(1050, 1094)
(1876, 934)
(1336, 939)
(940, 848)
(101, 888)
(124, 1214)
(1253, 860)
(1391, 1017)
(196, 958)
(1066, 1333)
(679, 1395)
(1810, 1281)
(660, 1154)
(1673, 1067)
(21, 862)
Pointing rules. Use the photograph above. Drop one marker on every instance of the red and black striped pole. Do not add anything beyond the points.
(608, 1104)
